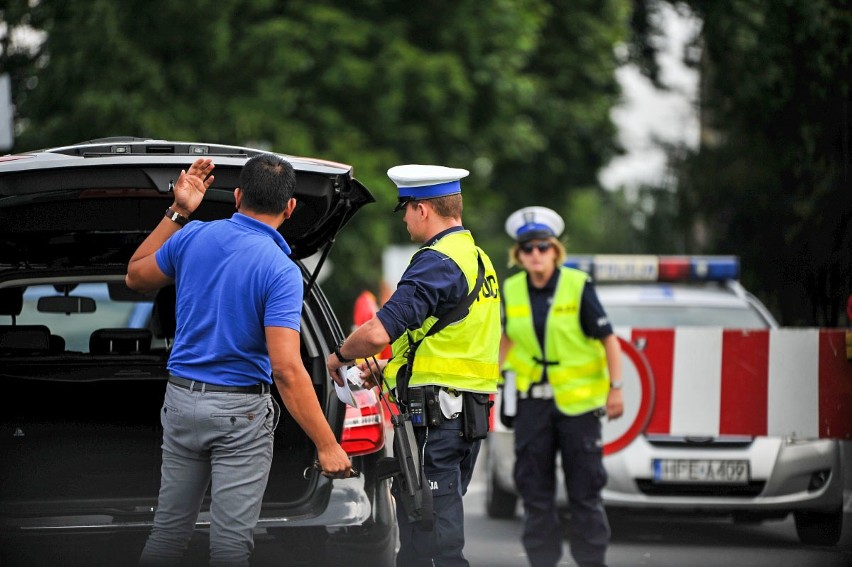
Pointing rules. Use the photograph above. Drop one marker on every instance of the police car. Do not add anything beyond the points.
(671, 450)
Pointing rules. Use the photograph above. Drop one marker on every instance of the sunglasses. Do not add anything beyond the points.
(541, 247)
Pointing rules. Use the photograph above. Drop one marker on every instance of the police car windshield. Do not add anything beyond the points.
(684, 316)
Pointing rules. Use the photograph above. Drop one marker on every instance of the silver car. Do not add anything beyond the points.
(664, 455)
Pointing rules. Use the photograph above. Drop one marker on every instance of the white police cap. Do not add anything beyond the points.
(416, 181)
(534, 222)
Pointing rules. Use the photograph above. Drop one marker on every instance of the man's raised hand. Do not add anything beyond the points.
(191, 186)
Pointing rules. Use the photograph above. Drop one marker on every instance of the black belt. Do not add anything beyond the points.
(195, 385)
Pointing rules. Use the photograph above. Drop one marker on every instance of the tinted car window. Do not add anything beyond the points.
(76, 328)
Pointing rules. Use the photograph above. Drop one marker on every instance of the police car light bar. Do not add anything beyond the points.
(648, 268)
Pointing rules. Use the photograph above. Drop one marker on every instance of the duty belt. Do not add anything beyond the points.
(538, 391)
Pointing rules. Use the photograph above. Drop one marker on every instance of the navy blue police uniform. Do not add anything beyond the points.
(432, 285)
(540, 431)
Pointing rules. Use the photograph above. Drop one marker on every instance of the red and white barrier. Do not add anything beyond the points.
(709, 382)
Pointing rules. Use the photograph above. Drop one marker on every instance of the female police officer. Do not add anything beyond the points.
(566, 362)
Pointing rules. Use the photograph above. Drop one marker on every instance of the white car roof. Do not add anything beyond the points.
(670, 291)
(711, 294)
(655, 304)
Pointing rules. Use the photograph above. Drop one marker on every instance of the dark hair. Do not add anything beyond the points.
(267, 183)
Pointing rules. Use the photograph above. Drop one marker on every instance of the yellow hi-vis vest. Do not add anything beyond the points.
(578, 373)
(463, 355)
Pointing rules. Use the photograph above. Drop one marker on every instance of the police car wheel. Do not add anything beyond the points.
(499, 503)
(819, 528)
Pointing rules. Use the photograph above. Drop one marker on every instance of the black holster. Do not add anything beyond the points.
(476, 412)
(434, 414)
(403, 375)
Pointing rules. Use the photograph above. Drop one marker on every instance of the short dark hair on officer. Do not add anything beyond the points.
(448, 206)
(267, 182)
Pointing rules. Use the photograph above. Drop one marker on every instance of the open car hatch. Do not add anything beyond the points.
(91, 204)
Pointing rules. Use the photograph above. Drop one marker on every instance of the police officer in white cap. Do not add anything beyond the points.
(450, 284)
(566, 362)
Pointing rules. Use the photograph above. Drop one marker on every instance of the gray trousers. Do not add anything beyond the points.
(218, 440)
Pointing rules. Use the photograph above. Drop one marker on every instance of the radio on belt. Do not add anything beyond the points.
(416, 406)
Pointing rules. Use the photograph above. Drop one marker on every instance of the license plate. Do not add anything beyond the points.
(701, 471)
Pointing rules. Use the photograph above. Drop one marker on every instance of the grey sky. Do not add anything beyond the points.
(648, 115)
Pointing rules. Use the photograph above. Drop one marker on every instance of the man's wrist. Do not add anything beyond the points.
(176, 216)
(180, 209)
(340, 357)
(616, 384)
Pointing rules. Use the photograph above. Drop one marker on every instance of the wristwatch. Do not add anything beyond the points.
(340, 356)
(175, 216)
(616, 385)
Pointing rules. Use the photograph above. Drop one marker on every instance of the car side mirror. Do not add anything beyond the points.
(65, 304)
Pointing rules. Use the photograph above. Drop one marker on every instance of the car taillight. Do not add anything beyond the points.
(363, 430)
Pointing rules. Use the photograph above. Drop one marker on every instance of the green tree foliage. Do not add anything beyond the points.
(771, 180)
(20, 27)
(516, 91)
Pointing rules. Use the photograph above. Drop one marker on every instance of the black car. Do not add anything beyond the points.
(83, 359)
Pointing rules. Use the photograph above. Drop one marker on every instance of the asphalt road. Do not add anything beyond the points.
(638, 539)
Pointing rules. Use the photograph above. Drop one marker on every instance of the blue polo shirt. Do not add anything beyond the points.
(233, 278)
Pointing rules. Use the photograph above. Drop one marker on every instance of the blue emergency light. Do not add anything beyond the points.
(649, 268)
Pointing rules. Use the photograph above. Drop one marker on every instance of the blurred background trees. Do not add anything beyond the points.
(771, 177)
(520, 92)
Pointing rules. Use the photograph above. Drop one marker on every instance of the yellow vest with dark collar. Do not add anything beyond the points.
(577, 369)
(462, 355)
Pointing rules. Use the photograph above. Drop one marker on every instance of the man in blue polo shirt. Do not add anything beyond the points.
(238, 309)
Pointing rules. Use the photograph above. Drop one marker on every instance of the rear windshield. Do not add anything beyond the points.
(662, 316)
(76, 328)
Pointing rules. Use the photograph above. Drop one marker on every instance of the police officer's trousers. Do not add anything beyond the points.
(540, 431)
(448, 461)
